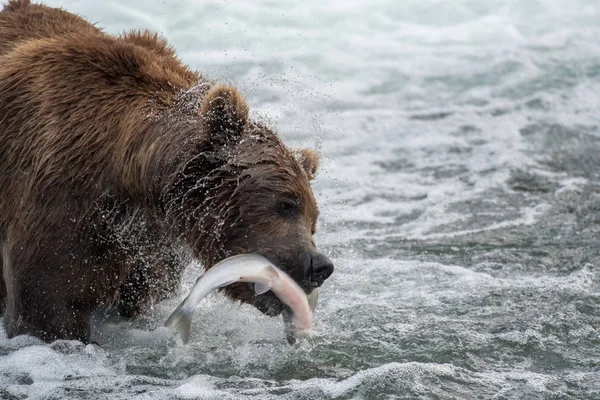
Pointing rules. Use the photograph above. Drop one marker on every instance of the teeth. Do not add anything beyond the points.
(313, 298)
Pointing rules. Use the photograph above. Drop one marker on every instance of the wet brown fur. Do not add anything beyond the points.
(116, 163)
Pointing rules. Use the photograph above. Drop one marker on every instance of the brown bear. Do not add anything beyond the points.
(118, 163)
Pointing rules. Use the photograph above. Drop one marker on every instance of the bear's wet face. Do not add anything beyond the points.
(276, 217)
(255, 197)
(266, 206)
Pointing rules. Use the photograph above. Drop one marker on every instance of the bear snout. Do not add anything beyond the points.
(317, 268)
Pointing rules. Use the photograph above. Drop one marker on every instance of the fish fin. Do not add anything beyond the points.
(260, 288)
(181, 320)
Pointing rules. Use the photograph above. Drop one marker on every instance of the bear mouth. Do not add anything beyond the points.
(269, 304)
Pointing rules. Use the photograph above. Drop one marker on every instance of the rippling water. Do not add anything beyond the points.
(460, 199)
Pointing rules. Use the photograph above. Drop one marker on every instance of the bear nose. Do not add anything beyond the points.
(320, 269)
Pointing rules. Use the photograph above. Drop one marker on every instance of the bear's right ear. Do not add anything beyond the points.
(225, 114)
(309, 161)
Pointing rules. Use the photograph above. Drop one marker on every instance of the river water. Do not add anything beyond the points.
(460, 201)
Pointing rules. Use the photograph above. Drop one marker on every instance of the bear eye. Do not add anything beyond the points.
(287, 208)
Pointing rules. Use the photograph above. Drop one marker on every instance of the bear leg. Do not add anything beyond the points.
(51, 290)
(44, 317)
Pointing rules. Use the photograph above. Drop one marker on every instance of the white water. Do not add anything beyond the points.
(460, 200)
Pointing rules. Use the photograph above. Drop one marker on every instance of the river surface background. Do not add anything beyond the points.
(460, 202)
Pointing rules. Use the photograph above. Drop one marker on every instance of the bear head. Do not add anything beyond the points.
(246, 192)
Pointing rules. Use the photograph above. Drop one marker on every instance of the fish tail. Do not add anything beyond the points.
(181, 320)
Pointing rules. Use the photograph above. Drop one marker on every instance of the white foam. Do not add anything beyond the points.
(43, 363)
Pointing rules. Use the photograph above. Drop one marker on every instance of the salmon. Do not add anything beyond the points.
(265, 276)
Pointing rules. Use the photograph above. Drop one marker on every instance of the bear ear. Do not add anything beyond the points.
(225, 113)
(309, 161)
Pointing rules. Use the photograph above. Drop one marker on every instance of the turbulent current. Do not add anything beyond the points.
(459, 195)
